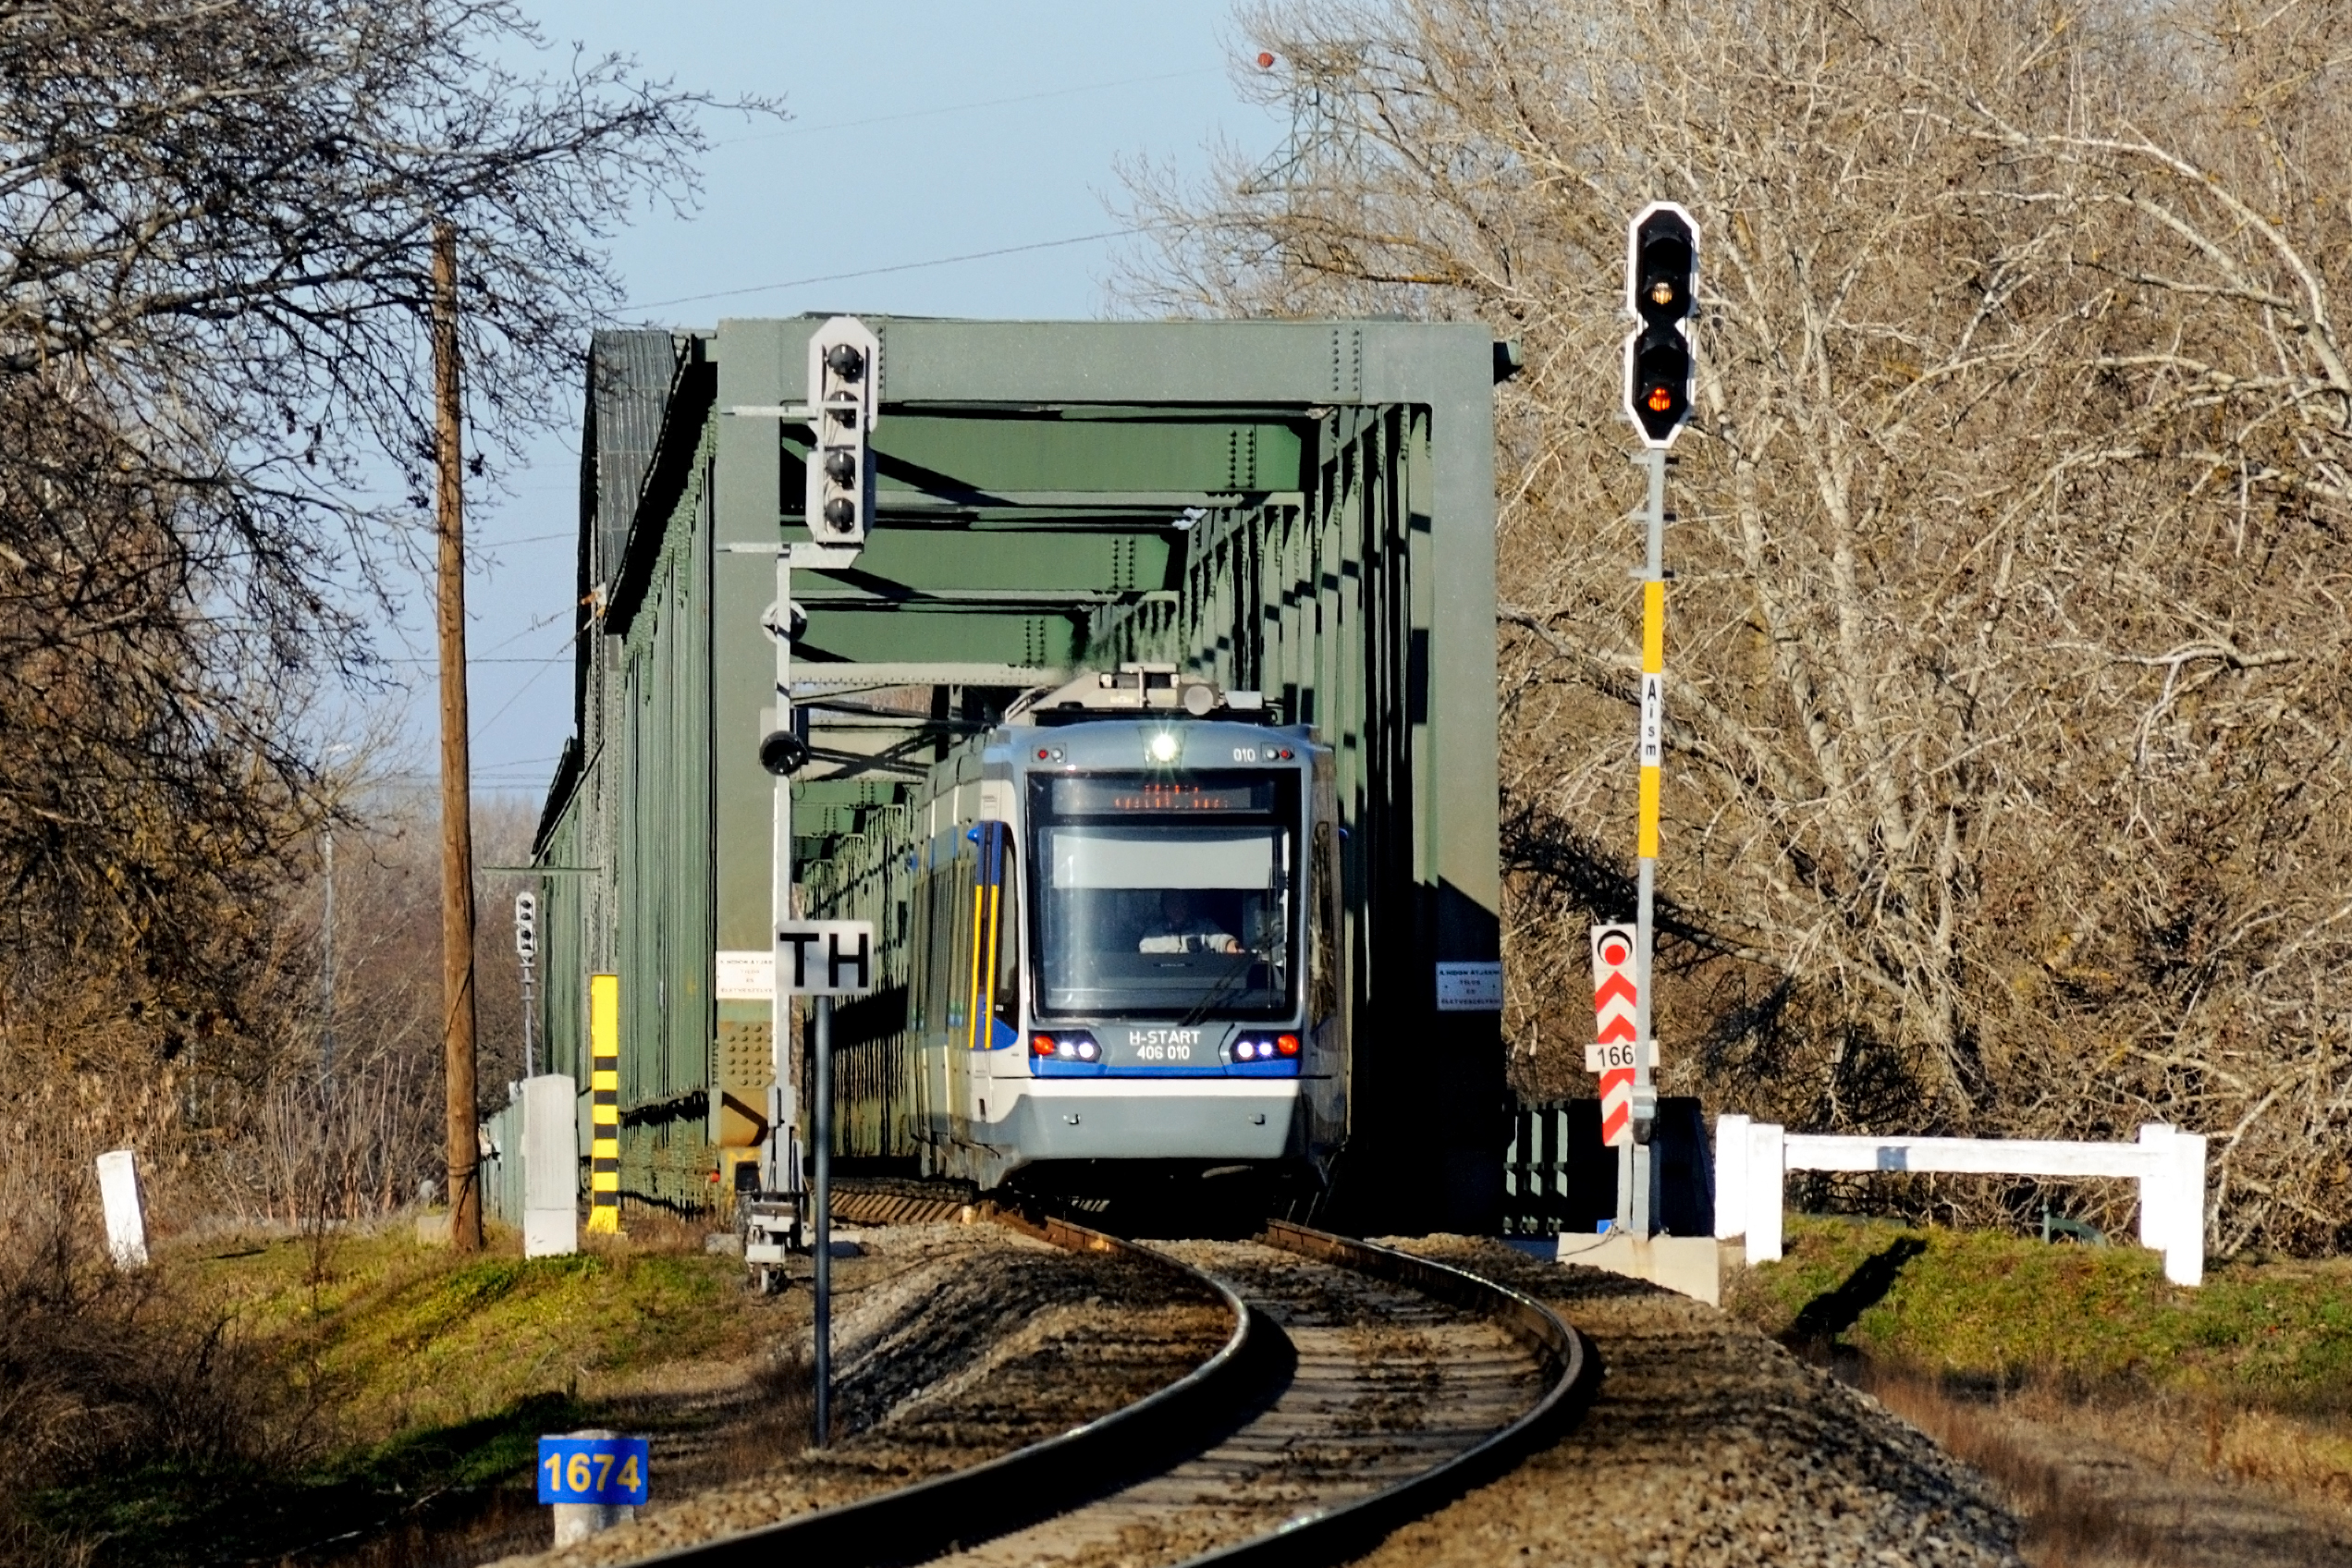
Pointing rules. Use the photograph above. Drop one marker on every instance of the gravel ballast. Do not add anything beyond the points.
(1706, 1444)
(952, 1344)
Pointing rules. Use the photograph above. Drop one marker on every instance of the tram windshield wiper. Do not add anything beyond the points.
(1250, 958)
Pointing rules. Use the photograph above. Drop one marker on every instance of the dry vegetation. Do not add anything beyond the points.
(102, 1374)
(2007, 650)
(2129, 1420)
(214, 224)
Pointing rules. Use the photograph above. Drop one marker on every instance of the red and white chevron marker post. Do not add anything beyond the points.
(1616, 1051)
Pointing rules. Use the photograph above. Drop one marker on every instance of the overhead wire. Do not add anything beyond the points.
(876, 272)
(975, 104)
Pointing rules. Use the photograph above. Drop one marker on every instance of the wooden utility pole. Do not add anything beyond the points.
(457, 768)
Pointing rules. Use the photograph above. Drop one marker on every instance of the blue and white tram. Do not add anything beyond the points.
(1126, 944)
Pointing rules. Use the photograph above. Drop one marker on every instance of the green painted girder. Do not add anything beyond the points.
(937, 635)
(978, 460)
(904, 563)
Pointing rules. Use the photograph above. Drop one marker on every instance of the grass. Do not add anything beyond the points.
(410, 1337)
(1985, 1341)
(430, 1376)
(1997, 1310)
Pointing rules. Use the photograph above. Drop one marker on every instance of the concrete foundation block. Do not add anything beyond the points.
(1691, 1265)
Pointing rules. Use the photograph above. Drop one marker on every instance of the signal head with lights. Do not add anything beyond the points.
(842, 364)
(1661, 280)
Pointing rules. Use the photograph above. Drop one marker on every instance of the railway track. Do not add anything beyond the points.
(1361, 1388)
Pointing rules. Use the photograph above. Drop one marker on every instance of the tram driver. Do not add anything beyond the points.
(1182, 929)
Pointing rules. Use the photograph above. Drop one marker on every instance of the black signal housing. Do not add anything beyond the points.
(1661, 280)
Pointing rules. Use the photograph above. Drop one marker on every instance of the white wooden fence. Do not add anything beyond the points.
(1753, 1160)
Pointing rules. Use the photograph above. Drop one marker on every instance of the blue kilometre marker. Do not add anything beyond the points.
(605, 1470)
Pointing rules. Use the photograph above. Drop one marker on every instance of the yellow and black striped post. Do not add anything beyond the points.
(604, 1103)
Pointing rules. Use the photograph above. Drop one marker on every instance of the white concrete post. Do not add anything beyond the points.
(550, 1167)
(119, 1193)
(1731, 1176)
(1766, 1190)
(575, 1522)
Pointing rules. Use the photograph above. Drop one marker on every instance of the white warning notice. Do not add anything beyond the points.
(746, 977)
(1470, 987)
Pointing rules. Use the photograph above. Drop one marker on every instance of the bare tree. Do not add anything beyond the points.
(215, 223)
(2007, 645)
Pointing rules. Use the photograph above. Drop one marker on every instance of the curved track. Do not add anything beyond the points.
(1361, 1388)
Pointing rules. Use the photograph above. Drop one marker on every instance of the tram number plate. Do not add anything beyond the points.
(1169, 1048)
(1616, 1055)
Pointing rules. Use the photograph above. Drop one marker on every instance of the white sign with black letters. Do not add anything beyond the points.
(1653, 720)
(1470, 987)
(746, 977)
(825, 958)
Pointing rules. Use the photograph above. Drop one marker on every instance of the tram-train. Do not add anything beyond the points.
(1124, 945)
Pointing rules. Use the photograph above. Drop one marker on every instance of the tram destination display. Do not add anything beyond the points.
(1095, 796)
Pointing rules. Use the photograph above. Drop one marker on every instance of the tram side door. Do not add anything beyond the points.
(988, 1012)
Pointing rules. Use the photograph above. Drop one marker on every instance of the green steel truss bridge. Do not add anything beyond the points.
(1303, 508)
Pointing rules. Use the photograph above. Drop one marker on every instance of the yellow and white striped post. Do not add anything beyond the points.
(1634, 1207)
(604, 1103)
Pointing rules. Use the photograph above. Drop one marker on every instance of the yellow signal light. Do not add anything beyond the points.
(1660, 399)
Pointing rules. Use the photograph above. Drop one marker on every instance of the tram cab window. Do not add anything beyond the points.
(1149, 903)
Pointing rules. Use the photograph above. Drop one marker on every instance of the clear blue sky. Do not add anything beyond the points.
(920, 129)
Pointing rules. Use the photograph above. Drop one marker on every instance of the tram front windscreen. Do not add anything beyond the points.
(1165, 899)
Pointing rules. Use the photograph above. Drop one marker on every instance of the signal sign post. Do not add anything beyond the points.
(1661, 279)
(827, 958)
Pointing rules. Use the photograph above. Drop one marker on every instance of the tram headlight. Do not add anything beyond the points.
(1161, 748)
(1259, 1049)
(1073, 1045)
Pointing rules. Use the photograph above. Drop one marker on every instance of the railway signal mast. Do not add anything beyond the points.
(1661, 278)
(845, 401)
(844, 398)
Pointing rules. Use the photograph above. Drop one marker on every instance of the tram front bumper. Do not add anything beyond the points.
(1239, 1119)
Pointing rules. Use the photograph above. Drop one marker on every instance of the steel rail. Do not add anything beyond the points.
(914, 1524)
(1348, 1530)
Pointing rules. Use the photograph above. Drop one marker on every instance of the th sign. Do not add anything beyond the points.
(825, 958)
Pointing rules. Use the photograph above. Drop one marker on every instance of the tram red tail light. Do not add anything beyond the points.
(1287, 1044)
(1041, 1045)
